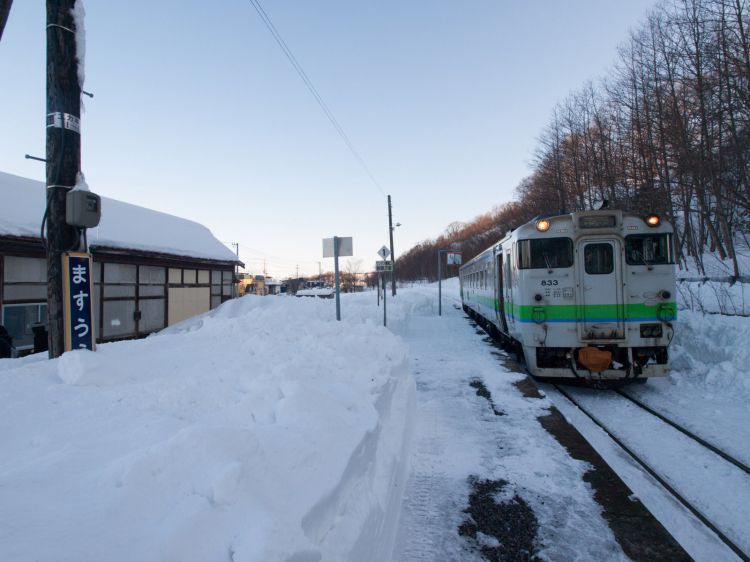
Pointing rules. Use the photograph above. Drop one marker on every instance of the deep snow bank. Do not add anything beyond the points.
(264, 430)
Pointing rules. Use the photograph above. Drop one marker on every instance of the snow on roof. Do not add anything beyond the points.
(123, 225)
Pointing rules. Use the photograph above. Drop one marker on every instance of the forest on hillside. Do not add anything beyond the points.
(667, 131)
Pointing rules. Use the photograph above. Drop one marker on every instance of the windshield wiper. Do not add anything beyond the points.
(546, 260)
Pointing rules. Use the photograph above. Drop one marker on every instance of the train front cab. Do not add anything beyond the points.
(594, 294)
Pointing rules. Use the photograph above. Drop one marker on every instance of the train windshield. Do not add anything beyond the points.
(545, 253)
(648, 249)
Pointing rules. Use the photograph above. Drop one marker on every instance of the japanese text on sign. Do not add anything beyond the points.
(79, 325)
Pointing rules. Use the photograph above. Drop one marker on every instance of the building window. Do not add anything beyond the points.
(20, 319)
(151, 299)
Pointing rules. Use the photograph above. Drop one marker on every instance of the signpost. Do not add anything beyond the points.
(77, 298)
(381, 267)
(454, 258)
(333, 248)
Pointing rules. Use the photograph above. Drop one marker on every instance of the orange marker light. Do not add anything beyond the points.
(653, 220)
(542, 225)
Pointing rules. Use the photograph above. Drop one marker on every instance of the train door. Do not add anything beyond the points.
(600, 268)
(500, 292)
(508, 286)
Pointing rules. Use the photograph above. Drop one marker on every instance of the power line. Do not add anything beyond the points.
(303, 75)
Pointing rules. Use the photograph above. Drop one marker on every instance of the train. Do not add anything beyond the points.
(588, 295)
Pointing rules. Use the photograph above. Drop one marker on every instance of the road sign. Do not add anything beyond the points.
(384, 265)
(345, 247)
(454, 258)
(335, 248)
(384, 252)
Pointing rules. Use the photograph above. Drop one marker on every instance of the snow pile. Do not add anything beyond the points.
(263, 430)
(711, 352)
(156, 232)
(714, 297)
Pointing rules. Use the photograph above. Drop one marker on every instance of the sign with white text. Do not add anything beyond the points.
(384, 265)
(77, 301)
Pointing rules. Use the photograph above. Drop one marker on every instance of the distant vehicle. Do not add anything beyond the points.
(587, 295)
(321, 292)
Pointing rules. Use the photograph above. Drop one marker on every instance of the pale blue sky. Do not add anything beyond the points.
(198, 113)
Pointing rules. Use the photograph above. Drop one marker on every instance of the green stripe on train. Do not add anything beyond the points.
(575, 312)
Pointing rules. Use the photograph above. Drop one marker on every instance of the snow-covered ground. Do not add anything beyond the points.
(459, 435)
(266, 430)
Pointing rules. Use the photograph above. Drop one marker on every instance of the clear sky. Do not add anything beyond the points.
(198, 113)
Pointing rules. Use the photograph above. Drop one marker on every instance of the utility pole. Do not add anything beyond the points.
(393, 256)
(235, 281)
(63, 155)
(4, 11)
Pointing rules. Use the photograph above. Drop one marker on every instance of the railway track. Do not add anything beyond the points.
(655, 473)
(713, 448)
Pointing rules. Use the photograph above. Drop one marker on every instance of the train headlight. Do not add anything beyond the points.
(653, 220)
(542, 225)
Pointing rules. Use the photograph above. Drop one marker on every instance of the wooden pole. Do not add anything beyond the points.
(4, 11)
(63, 155)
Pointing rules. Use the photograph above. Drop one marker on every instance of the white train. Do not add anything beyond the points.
(585, 295)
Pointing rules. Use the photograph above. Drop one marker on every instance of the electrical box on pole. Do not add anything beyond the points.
(82, 208)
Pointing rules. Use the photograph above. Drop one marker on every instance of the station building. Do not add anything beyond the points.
(151, 269)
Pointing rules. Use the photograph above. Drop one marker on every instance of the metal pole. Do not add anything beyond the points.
(336, 273)
(393, 256)
(384, 293)
(440, 284)
(377, 288)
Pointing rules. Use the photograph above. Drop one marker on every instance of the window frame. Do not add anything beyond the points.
(526, 245)
(611, 250)
(669, 238)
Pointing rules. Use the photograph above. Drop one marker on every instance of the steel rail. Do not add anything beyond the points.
(703, 519)
(726, 456)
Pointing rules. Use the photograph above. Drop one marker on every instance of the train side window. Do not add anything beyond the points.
(545, 253)
(598, 259)
(648, 249)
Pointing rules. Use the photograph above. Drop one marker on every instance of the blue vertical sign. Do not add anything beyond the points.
(78, 299)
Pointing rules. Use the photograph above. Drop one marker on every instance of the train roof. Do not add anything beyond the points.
(599, 221)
